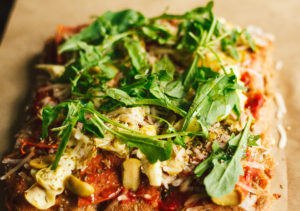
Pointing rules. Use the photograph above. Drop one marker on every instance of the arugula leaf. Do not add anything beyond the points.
(78, 72)
(214, 100)
(121, 96)
(94, 33)
(170, 105)
(223, 153)
(195, 14)
(224, 175)
(150, 85)
(91, 125)
(162, 149)
(124, 20)
(175, 89)
(206, 164)
(107, 70)
(170, 129)
(158, 33)
(191, 74)
(110, 23)
(65, 130)
(137, 55)
(49, 115)
(249, 39)
(252, 140)
(228, 44)
(165, 68)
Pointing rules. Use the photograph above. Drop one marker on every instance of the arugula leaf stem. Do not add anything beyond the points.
(196, 105)
(182, 133)
(157, 102)
(218, 59)
(139, 134)
(59, 128)
(213, 42)
(211, 30)
(108, 120)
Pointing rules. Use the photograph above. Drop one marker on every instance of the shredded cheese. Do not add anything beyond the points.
(281, 105)
(283, 137)
(254, 164)
(17, 167)
(246, 187)
(249, 202)
(259, 78)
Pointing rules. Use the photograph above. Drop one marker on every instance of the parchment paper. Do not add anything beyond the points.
(33, 21)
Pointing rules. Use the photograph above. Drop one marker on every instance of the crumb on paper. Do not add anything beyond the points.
(276, 195)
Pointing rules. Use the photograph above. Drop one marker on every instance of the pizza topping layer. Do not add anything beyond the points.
(137, 107)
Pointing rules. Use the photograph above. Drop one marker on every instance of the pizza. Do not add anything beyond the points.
(172, 112)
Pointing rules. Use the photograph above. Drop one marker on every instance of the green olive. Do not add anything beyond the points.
(41, 162)
(79, 187)
(194, 126)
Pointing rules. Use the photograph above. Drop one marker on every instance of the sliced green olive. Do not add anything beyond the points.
(41, 162)
(193, 126)
(231, 199)
(79, 187)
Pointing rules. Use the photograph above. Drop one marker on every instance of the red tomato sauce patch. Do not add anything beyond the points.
(102, 174)
(254, 103)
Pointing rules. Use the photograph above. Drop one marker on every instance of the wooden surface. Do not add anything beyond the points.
(33, 21)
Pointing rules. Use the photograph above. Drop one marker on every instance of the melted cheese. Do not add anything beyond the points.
(53, 180)
(177, 162)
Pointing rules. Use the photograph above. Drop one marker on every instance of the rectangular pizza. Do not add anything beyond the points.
(168, 113)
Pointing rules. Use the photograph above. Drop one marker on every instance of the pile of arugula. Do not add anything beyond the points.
(116, 43)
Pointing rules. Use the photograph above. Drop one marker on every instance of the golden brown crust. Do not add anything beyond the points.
(116, 205)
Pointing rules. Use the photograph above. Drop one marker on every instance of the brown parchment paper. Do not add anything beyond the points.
(33, 21)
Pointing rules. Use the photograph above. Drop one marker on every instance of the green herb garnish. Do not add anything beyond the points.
(116, 46)
(226, 164)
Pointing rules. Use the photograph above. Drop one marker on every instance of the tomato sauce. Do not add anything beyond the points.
(174, 201)
(147, 193)
(246, 78)
(254, 103)
(103, 174)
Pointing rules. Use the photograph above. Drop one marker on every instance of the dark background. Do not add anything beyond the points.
(5, 9)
